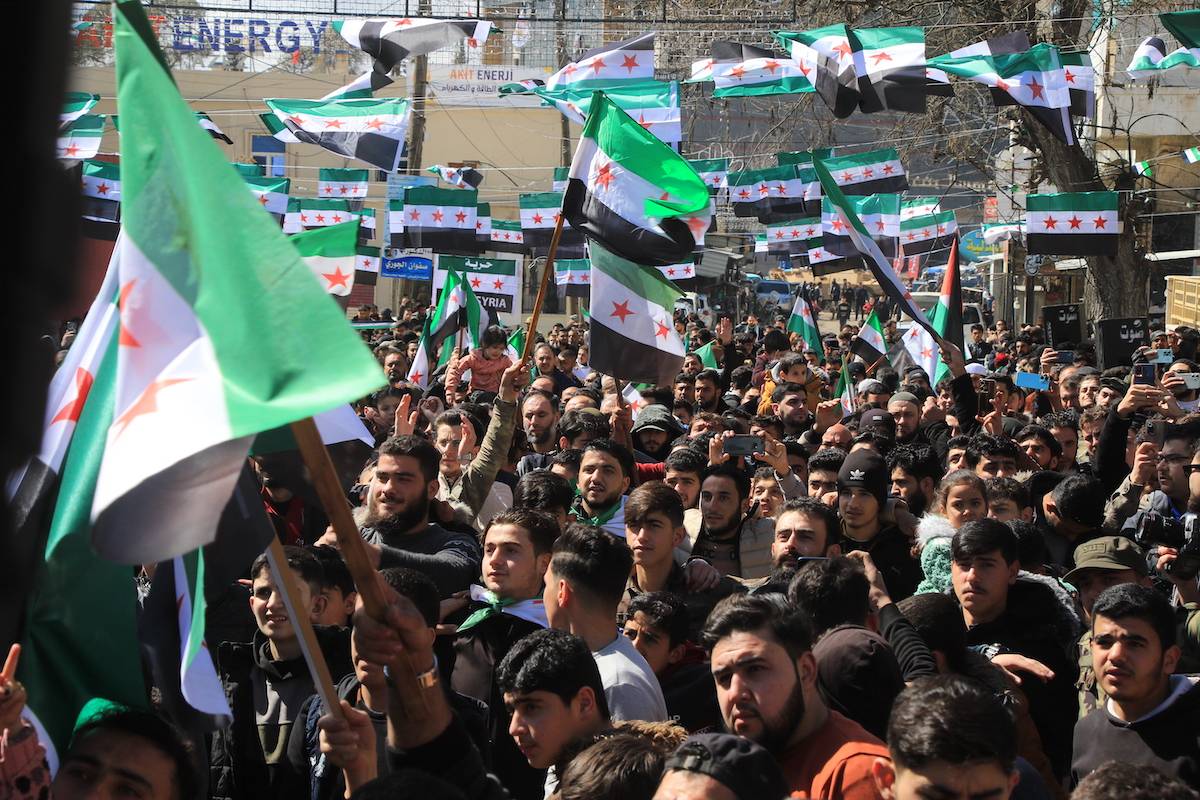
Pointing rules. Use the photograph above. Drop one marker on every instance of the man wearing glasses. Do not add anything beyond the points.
(1171, 497)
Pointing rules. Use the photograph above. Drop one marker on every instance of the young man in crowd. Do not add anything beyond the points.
(862, 495)
(805, 529)
(605, 474)
(683, 469)
(727, 539)
(915, 472)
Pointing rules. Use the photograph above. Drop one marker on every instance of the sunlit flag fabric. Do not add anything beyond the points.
(366, 265)
(454, 323)
(946, 319)
(927, 233)
(483, 226)
(213, 130)
(632, 193)
(713, 171)
(879, 214)
(271, 193)
(803, 322)
(845, 392)
(826, 57)
(627, 61)
(802, 157)
(1080, 77)
(1151, 56)
(319, 212)
(390, 41)
(774, 194)
(223, 331)
(873, 172)
(76, 104)
(633, 333)
(80, 138)
(344, 183)
(916, 206)
(870, 344)
(575, 275)
(364, 85)
(101, 199)
(1192, 155)
(890, 66)
(442, 219)
(678, 272)
(994, 232)
(742, 70)
(790, 237)
(368, 130)
(653, 104)
(507, 236)
(559, 181)
(331, 254)
(1072, 223)
(459, 177)
(539, 214)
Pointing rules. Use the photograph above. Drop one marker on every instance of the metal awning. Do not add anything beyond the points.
(715, 262)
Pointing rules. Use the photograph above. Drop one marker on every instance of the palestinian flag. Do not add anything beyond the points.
(1080, 77)
(207, 124)
(453, 323)
(80, 138)
(516, 345)
(773, 194)
(1192, 155)
(742, 70)
(76, 105)
(1151, 57)
(390, 41)
(194, 383)
(560, 178)
(870, 344)
(873, 172)
(946, 320)
(925, 234)
(653, 104)
(575, 275)
(677, 273)
(507, 237)
(804, 322)
(609, 65)
(441, 219)
(342, 183)
(331, 254)
(271, 193)
(845, 393)
(101, 198)
(632, 193)
(632, 335)
(459, 177)
(1072, 223)
(368, 130)
(790, 238)
(826, 57)
(999, 231)
(890, 66)
(364, 85)
(713, 171)
(919, 207)
(895, 290)
(539, 215)
(483, 226)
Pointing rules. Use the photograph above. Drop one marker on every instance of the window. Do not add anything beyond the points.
(268, 153)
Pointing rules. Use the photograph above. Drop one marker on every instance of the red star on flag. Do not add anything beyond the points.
(880, 57)
(415, 377)
(414, 215)
(499, 284)
(941, 229)
(868, 172)
(925, 233)
(296, 119)
(809, 231)
(461, 216)
(817, 254)
(926, 352)
(507, 236)
(333, 123)
(795, 233)
(1074, 220)
(1035, 88)
(303, 218)
(697, 225)
(764, 190)
(147, 403)
(621, 310)
(336, 278)
(737, 72)
(478, 224)
(72, 149)
(586, 277)
(74, 407)
(1050, 222)
(438, 215)
(1068, 76)
(472, 41)
(911, 236)
(262, 199)
(837, 225)
(475, 283)
(914, 334)
(556, 216)
(320, 217)
(888, 169)
(781, 189)
(744, 193)
(366, 263)
(847, 177)
(1099, 222)
(844, 50)
(404, 23)
(337, 217)
(597, 65)
(778, 234)
(629, 63)
(879, 226)
(328, 190)
(537, 219)
(344, 189)
(660, 329)
(102, 188)
(804, 69)
(771, 65)
(670, 272)
(604, 176)
(569, 69)
(377, 124)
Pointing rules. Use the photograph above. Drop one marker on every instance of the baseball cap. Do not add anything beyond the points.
(1108, 552)
(744, 767)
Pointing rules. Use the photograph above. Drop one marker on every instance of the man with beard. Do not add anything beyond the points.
(789, 403)
(766, 677)
(727, 538)
(654, 431)
(396, 522)
(605, 473)
(805, 529)
(915, 472)
(546, 361)
(395, 363)
(539, 417)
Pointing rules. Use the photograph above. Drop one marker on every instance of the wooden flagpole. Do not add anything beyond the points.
(541, 295)
(352, 547)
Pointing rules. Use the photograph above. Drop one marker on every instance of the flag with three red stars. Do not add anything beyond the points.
(331, 254)
(653, 104)
(633, 334)
(574, 275)
(368, 130)
(613, 63)
(539, 214)
(1072, 223)
(342, 183)
(441, 219)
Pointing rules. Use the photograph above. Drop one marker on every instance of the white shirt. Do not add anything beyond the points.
(630, 687)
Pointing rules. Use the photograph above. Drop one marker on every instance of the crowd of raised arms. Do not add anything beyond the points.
(728, 587)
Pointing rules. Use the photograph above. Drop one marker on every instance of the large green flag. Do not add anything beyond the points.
(455, 322)
(803, 322)
(224, 331)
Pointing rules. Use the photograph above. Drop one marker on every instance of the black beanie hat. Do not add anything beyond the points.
(865, 469)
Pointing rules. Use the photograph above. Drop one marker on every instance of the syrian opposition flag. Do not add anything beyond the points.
(1080, 77)
(890, 66)
(620, 62)
(390, 41)
(194, 383)
(870, 344)
(928, 233)
(1151, 56)
(453, 323)
(790, 238)
(507, 237)
(897, 293)
(575, 275)
(633, 334)
(633, 398)
(873, 172)
(713, 171)
(845, 393)
(270, 193)
(678, 272)
(342, 183)
(803, 322)
(441, 219)
(516, 345)
(559, 180)
(1192, 155)
(994, 232)
(653, 104)
(317, 212)
(1143, 169)
(76, 104)
(774, 194)
(331, 254)
(213, 130)
(826, 57)
(879, 214)
(1072, 223)
(368, 130)
(460, 177)
(632, 193)
(539, 215)
(80, 138)
(919, 207)
(366, 265)
(364, 85)
(102, 196)
(946, 319)
(742, 70)
(483, 226)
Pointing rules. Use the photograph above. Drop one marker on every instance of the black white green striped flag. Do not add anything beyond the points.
(826, 57)
(342, 183)
(271, 193)
(1152, 58)
(575, 274)
(368, 130)
(539, 214)
(609, 65)
(76, 104)
(390, 41)
(441, 219)
(890, 66)
(742, 70)
(713, 171)
(459, 177)
(873, 172)
(101, 199)
(507, 236)
(927, 233)
(791, 237)
(560, 179)
(331, 254)
(653, 104)
(774, 194)
(80, 138)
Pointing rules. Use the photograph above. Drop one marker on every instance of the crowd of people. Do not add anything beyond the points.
(723, 588)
